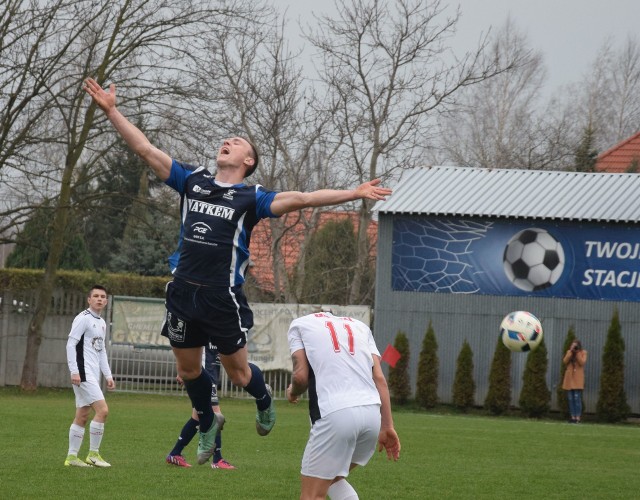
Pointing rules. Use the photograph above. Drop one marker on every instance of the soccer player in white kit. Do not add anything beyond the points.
(337, 360)
(87, 358)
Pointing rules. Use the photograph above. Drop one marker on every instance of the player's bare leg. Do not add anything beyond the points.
(237, 367)
(314, 488)
(188, 362)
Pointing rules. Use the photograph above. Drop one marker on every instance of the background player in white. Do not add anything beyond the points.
(87, 358)
(337, 360)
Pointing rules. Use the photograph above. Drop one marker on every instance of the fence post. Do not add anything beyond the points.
(5, 298)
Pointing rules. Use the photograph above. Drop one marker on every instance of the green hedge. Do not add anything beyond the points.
(81, 281)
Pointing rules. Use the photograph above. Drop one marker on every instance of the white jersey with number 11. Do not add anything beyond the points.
(339, 350)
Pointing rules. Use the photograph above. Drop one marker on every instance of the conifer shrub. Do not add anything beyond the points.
(612, 401)
(399, 381)
(498, 397)
(428, 364)
(464, 387)
(535, 397)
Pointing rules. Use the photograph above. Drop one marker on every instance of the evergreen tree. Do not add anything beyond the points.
(142, 252)
(563, 404)
(535, 396)
(114, 191)
(121, 201)
(427, 383)
(612, 400)
(331, 253)
(464, 386)
(32, 249)
(585, 154)
(498, 397)
(399, 382)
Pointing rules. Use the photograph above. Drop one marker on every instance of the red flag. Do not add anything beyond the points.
(391, 355)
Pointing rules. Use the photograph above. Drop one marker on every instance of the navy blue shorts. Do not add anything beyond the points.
(197, 315)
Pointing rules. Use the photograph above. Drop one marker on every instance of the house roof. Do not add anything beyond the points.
(621, 156)
(527, 194)
(261, 267)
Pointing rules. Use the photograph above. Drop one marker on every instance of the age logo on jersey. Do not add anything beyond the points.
(200, 229)
(97, 343)
(533, 259)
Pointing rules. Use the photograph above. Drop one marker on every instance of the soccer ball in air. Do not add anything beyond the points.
(533, 259)
(521, 331)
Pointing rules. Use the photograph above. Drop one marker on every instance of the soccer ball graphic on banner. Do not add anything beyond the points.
(533, 259)
(521, 331)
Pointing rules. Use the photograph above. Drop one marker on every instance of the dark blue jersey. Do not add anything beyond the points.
(217, 221)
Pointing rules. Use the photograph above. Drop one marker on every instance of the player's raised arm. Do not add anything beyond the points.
(289, 201)
(159, 161)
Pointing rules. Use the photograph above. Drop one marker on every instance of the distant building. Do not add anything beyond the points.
(463, 247)
(623, 157)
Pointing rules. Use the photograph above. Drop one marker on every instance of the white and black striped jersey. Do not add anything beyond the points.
(86, 350)
(340, 352)
(216, 224)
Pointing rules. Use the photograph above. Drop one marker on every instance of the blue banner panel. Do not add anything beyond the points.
(532, 258)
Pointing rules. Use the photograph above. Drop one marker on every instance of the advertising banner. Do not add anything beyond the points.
(533, 258)
(138, 321)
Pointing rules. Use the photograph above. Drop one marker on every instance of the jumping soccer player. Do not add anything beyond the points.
(205, 301)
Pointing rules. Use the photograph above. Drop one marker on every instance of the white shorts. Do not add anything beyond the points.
(87, 393)
(341, 438)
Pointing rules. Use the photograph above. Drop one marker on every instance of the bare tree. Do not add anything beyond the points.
(502, 121)
(262, 95)
(607, 99)
(35, 44)
(625, 73)
(140, 44)
(388, 67)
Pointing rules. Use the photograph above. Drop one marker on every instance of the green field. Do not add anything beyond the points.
(443, 456)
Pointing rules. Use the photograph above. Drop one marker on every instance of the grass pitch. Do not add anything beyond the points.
(443, 456)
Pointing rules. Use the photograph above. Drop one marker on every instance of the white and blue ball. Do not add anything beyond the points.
(521, 331)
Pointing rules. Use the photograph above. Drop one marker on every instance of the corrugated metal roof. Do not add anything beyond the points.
(529, 194)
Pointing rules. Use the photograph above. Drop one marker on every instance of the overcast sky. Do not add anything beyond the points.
(568, 32)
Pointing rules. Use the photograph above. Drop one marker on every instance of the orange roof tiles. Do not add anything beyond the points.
(620, 157)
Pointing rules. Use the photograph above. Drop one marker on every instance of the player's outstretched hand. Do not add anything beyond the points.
(372, 190)
(106, 101)
(388, 439)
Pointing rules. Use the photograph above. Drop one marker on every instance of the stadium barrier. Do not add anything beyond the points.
(141, 359)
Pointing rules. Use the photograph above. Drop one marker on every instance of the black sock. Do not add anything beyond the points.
(186, 435)
(257, 388)
(199, 391)
(217, 453)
